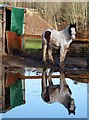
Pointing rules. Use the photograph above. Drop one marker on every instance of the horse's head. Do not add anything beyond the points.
(72, 30)
(72, 107)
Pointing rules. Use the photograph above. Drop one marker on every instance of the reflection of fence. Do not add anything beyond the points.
(81, 78)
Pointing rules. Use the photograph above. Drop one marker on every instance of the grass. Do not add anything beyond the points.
(33, 44)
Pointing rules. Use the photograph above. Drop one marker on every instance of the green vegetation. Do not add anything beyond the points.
(33, 44)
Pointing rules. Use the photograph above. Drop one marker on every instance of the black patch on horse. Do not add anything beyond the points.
(47, 35)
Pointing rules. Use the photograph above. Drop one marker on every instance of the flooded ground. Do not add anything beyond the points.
(43, 93)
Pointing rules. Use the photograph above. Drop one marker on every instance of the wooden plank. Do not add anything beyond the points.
(10, 8)
(33, 36)
(81, 79)
(39, 36)
(81, 39)
(56, 76)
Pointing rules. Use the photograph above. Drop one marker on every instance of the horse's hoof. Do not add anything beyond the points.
(62, 65)
(45, 63)
(57, 65)
(50, 61)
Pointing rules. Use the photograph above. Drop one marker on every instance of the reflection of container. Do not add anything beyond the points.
(12, 91)
(9, 22)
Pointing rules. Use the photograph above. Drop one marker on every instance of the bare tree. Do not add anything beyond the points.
(61, 12)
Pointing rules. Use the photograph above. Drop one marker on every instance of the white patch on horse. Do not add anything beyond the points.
(73, 33)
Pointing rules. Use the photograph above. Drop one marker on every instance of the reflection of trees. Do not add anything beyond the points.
(57, 93)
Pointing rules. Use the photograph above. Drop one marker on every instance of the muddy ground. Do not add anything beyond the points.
(34, 59)
(76, 68)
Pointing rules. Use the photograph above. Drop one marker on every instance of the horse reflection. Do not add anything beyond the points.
(57, 93)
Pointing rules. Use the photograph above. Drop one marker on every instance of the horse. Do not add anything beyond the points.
(57, 93)
(53, 39)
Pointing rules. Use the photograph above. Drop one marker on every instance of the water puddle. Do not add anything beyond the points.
(43, 93)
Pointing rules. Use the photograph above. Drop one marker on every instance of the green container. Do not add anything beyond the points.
(17, 19)
(16, 94)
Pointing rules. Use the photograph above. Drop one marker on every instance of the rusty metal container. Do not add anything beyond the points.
(14, 42)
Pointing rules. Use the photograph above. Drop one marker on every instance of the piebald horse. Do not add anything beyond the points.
(57, 93)
(53, 39)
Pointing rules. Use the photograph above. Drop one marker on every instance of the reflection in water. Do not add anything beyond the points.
(43, 84)
(12, 92)
(57, 93)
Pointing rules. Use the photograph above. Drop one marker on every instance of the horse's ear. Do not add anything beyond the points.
(69, 112)
(75, 24)
(70, 24)
(74, 112)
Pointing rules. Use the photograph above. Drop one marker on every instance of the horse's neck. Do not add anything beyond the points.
(65, 33)
(54, 94)
(66, 101)
(64, 91)
(66, 29)
(62, 97)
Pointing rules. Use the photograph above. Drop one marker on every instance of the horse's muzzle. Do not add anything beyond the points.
(73, 36)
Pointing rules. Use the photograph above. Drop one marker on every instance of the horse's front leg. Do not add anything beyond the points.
(62, 57)
(50, 56)
(50, 77)
(44, 47)
(44, 79)
(45, 91)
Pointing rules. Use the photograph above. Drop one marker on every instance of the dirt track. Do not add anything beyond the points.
(34, 59)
